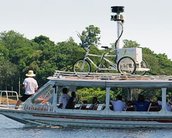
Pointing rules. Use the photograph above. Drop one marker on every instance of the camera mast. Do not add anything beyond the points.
(118, 17)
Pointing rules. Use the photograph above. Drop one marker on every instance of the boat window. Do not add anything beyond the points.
(85, 98)
(137, 99)
(45, 96)
(91, 98)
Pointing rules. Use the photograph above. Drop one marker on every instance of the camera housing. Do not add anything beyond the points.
(117, 9)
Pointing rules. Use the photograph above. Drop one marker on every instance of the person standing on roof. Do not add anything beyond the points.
(30, 85)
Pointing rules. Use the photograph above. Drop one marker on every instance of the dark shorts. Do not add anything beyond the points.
(25, 97)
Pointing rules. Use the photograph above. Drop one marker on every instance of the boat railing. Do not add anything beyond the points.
(109, 76)
(8, 97)
(59, 74)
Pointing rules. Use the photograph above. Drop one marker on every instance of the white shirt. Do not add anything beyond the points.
(64, 100)
(118, 105)
(30, 85)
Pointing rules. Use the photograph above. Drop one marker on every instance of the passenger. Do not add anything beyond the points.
(94, 104)
(118, 104)
(168, 106)
(72, 101)
(63, 100)
(130, 106)
(30, 85)
(141, 104)
(170, 101)
(154, 107)
(159, 101)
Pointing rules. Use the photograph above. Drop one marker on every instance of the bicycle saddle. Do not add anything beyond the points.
(105, 47)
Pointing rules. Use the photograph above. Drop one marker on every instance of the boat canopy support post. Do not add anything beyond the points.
(164, 100)
(107, 98)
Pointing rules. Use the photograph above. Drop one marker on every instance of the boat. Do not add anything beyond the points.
(48, 113)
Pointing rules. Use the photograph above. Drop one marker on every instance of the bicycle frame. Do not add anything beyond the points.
(112, 65)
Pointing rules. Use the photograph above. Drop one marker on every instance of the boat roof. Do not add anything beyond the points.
(111, 80)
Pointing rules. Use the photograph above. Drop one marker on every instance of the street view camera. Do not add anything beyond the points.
(117, 9)
(118, 16)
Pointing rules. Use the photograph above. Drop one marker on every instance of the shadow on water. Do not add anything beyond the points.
(103, 133)
(39, 132)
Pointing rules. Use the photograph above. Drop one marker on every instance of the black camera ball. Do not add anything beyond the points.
(117, 9)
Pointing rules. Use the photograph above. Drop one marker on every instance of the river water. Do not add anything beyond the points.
(13, 129)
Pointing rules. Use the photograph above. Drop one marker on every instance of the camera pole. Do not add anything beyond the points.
(118, 17)
(118, 33)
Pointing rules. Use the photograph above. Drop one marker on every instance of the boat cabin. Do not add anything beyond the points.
(129, 87)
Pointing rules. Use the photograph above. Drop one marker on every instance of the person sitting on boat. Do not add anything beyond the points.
(30, 85)
(141, 104)
(154, 106)
(168, 106)
(94, 104)
(118, 104)
(72, 101)
(130, 106)
(63, 100)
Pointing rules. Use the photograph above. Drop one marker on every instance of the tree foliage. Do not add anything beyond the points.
(130, 43)
(90, 36)
(159, 63)
(19, 54)
(8, 73)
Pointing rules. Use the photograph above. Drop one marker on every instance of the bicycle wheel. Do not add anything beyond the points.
(144, 68)
(126, 65)
(82, 66)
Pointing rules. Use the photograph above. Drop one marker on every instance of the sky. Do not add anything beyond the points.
(148, 22)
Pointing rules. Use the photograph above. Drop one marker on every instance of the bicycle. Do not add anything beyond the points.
(125, 64)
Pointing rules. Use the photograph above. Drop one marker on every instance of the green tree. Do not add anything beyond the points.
(43, 58)
(8, 75)
(89, 93)
(159, 63)
(130, 43)
(4, 52)
(68, 52)
(18, 54)
(90, 36)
